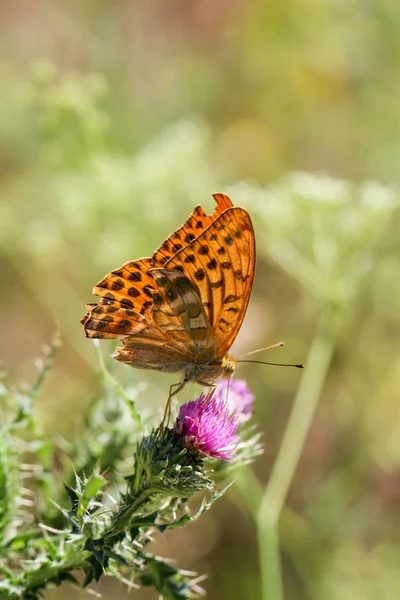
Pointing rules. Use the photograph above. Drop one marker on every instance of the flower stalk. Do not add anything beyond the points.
(303, 411)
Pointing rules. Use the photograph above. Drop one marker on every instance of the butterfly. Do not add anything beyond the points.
(180, 310)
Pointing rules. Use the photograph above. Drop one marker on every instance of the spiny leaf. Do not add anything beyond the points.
(91, 488)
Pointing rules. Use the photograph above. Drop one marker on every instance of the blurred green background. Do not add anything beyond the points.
(116, 119)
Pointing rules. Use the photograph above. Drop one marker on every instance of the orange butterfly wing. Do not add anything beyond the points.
(179, 336)
(221, 262)
(190, 230)
(127, 292)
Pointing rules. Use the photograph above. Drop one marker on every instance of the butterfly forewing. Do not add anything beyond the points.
(103, 321)
(190, 230)
(221, 262)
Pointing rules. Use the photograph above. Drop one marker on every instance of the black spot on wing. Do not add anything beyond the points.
(107, 319)
(133, 292)
(135, 276)
(224, 325)
(239, 275)
(126, 303)
(199, 274)
(117, 285)
(113, 309)
(231, 298)
(228, 240)
(217, 284)
(232, 309)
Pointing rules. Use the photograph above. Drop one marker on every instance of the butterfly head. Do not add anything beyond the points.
(228, 364)
(208, 373)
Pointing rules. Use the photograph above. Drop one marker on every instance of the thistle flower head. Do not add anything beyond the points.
(208, 426)
(238, 396)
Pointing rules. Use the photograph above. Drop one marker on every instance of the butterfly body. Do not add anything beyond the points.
(181, 309)
(204, 373)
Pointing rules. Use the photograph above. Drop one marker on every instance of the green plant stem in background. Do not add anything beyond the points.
(318, 362)
(293, 529)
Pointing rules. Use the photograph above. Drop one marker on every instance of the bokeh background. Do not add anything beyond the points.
(116, 119)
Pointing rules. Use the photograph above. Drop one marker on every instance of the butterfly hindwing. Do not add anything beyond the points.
(180, 333)
(179, 312)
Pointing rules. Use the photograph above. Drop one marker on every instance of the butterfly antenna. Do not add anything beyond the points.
(278, 345)
(260, 362)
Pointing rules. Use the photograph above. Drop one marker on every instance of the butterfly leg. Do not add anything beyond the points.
(167, 411)
(212, 386)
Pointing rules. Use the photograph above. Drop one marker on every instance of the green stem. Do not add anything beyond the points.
(122, 518)
(317, 366)
(294, 529)
(116, 386)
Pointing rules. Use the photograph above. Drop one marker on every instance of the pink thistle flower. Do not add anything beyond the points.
(208, 426)
(239, 397)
